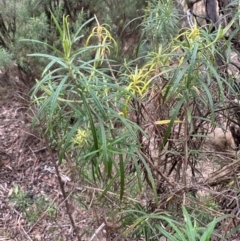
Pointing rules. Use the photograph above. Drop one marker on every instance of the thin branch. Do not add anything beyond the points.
(61, 184)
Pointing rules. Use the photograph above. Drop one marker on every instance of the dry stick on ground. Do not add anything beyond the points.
(28, 237)
(97, 231)
(67, 205)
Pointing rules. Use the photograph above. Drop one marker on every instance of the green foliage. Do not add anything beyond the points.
(31, 207)
(21, 198)
(29, 19)
(79, 106)
(32, 19)
(93, 104)
(161, 21)
(196, 53)
(117, 13)
(158, 225)
(6, 58)
(187, 64)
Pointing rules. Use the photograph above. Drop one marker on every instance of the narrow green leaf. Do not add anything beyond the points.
(57, 25)
(108, 186)
(75, 36)
(169, 236)
(210, 100)
(122, 176)
(92, 126)
(54, 101)
(190, 229)
(208, 231)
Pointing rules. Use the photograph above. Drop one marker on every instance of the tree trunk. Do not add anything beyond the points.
(212, 12)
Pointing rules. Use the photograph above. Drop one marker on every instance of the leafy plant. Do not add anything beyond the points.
(160, 225)
(31, 207)
(6, 58)
(161, 21)
(81, 92)
(21, 198)
(93, 112)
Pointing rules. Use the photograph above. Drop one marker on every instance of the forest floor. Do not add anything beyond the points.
(31, 204)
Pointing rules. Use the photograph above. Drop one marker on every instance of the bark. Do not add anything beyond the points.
(212, 12)
(190, 3)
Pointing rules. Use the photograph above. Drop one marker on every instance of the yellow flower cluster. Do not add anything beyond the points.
(139, 80)
(81, 138)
